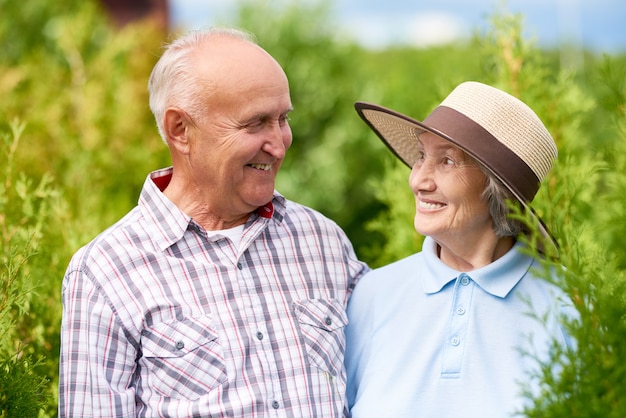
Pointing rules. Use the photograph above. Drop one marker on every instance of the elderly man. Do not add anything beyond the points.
(215, 296)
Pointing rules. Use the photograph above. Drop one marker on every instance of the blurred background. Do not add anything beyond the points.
(78, 140)
(597, 25)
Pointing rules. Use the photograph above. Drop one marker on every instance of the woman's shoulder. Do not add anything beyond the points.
(391, 277)
(407, 264)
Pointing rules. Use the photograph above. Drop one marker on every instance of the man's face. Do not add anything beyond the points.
(239, 140)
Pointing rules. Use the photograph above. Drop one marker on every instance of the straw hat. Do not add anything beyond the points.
(495, 128)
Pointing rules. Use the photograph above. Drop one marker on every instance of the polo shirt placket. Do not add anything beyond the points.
(455, 338)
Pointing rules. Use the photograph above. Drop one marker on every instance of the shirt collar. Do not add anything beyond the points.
(170, 223)
(497, 278)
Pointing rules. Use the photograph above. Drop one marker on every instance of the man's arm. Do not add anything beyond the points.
(96, 360)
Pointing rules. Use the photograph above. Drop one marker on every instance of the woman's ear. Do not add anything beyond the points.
(177, 126)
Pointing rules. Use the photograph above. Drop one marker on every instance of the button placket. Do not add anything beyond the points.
(258, 332)
(457, 327)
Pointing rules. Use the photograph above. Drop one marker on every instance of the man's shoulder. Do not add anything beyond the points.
(296, 207)
(300, 212)
(116, 240)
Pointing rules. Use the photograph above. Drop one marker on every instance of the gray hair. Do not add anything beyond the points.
(496, 195)
(174, 82)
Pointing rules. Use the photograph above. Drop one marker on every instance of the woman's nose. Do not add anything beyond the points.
(421, 177)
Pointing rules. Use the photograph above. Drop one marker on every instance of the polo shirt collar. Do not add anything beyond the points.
(169, 223)
(497, 278)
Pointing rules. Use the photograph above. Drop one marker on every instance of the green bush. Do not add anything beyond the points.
(80, 88)
(585, 206)
(29, 309)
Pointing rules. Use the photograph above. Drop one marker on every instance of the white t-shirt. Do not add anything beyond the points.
(234, 234)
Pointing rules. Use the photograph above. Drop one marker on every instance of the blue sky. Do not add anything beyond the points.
(598, 24)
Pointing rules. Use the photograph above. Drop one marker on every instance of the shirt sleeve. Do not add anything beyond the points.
(97, 361)
(356, 268)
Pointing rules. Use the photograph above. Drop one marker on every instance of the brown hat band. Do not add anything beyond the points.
(480, 144)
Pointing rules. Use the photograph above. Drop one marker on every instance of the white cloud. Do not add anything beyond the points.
(435, 28)
(423, 29)
(372, 31)
(193, 14)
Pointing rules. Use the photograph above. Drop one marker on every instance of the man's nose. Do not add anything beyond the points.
(275, 141)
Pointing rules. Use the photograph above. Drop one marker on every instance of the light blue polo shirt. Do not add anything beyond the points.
(424, 340)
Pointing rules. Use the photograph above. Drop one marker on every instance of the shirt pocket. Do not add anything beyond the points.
(182, 359)
(322, 323)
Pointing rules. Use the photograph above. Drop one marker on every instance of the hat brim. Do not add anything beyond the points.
(401, 137)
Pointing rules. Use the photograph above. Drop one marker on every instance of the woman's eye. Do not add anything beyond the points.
(449, 161)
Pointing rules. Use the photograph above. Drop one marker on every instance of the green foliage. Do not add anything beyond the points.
(585, 207)
(395, 223)
(81, 89)
(22, 391)
(25, 210)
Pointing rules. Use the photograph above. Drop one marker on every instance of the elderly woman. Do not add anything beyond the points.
(453, 331)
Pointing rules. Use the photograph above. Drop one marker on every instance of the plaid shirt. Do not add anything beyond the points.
(159, 319)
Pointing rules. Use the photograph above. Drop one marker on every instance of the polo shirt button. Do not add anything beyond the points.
(460, 310)
(275, 405)
(180, 345)
(455, 341)
(464, 280)
(328, 320)
(239, 266)
(259, 335)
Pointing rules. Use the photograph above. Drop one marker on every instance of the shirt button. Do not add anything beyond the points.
(180, 345)
(328, 320)
(464, 280)
(275, 405)
(460, 310)
(259, 335)
(239, 266)
(455, 341)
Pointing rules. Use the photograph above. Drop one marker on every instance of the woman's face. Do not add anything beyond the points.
(448, 185)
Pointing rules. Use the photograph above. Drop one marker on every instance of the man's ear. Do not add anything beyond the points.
(177, 126)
